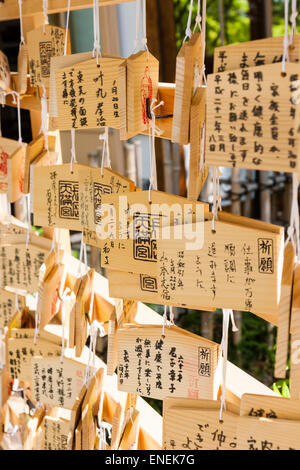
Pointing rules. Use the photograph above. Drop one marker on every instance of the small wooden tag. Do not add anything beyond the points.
(142, 86)
(22, 69)
(43, 43)
(92, 96)
(7, 306)
(189, 57)
(7, 148)
(5, 80)
(15, 173)
(90, 410)
(180, 364)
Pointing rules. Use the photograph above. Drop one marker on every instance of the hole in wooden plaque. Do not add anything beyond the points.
(283, 74)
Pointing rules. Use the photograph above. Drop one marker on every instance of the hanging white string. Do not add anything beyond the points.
(152, 130)
(221, 20)
(227, 314)
(203, 39)
(96, 21)
(67, 27)
(95, 329)
(44, 116)
(45, 13)
(293, 19)
(285, 56)
(82, 257)
(216, 196)
(165, 319)
(144, 37)
(198, 18)
(105, 157)
(22, 40)
(63, 321)
(103, 427)
(188, 31)
(28, 220)
(293, 230)
(73, 150)
(138, 5)
(17, 309)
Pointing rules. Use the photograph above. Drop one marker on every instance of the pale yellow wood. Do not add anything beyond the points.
(7, 148)
(254, 53)
(235, 131)
(82, 307)
(22, 68)
(93, 184)
(7, 306)
(49, 291)
(10, 9)
(179, 364)
(43, 43)
(101, 91)
(78, 436)
(55, 433)
(89, 411)
(72, 315)
(198, 171)
(195, 425)
(136, 213)
(129, 439)
(282, 344)
(15, 173)
(33, 151)
(142, 86)
(295, 337)
(269, 407)
(5, 81)
(188, 59)
(56, 382)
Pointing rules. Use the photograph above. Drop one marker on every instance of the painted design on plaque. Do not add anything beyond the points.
(99, 189)
(148, 283)
(145, 227)
(69, 199)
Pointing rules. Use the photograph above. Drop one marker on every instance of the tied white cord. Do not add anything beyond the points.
(216, 196)
(44, 116)
(152, 130)
(293, 230)
(22, 40)
(293, 19)
(28, 220)
(63, 318)
(203, 39)
(140, 5)
(96, 21)
(95, 329)
(202, 149)
(105, 157)
(73, 150)
(188, 31)
(67, 27)
(285, 56)
(45, 13)
(82, 256)
(227, 314)
(198, 18)
(165, 319)
(103, 428)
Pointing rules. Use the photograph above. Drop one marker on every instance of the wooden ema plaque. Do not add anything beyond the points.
(254, 53)
(7, 306)
(268, 423)
(243, 101)
(198, 170)
(22, 69)
(180, 364)
(142, 86)
(56, 383)
(90, 408)
(7, 148)
(58, 63)
(55, 432)
(92, 96)
(49, 291)
(5, 78)
(82, 307)
(34, 151)
(15, 173)
(195, 425)
(233, 268)
(295, 337)
(43, 43)
(56, 196)
(20, 266)
(93, 184)
(133, 226)
(189, 57)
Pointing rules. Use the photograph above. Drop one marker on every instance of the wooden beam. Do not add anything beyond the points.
(10, 9)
